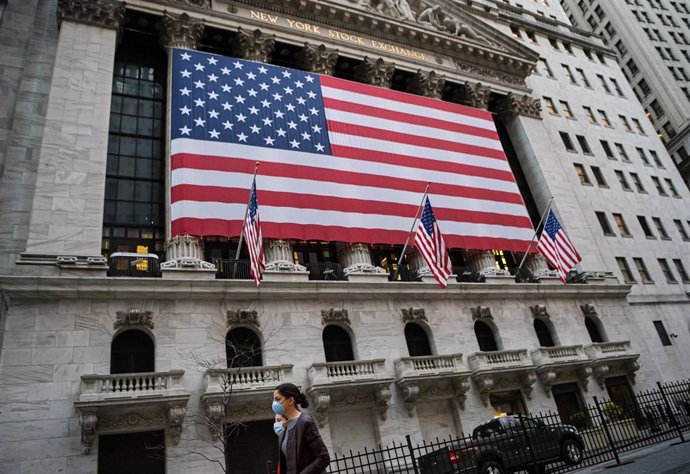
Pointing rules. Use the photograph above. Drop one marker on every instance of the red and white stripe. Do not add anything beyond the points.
(433, 249)
(560, 254)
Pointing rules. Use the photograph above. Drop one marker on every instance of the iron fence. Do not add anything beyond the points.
(231, 269)
(546, 442)
(325, 271)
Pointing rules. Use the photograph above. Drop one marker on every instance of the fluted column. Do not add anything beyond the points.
(536, 264)
(278, 254)
(483, 262)
(356, 259)
(318, 59)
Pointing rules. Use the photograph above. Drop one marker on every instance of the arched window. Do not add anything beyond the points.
(243, 348)
(417, 340)
(132, 351)
(593, 330)
(485, 337)
(337, 344)
(543, 333)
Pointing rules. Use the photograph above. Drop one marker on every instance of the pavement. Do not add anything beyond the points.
(663, 458)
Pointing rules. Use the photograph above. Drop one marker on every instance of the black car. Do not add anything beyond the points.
(507, 444)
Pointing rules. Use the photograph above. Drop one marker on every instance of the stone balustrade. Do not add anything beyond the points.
(558, 355)
(246, 378)
(605, 350)
(134, 385)
(428, 365)
(499, 359)
(347, 371)
(609, 359)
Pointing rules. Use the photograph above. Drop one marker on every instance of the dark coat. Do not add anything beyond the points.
(306, 452)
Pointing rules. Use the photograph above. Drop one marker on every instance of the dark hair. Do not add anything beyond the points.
(289, 390)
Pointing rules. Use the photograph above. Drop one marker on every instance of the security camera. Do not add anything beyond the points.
(674, 335)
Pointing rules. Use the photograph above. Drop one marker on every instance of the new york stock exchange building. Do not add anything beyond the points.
(126, 162)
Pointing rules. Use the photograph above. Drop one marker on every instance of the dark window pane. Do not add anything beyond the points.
(128, 145)
(115, 104)
(143, 168)
(125, 190)
(144, 147)
(145, 108)
(126, 167)
(111, 167)
(131, 87)
(417, 340)
(142, 214)
(131, 70)
(129, 106)
(337, 344)
(129, 125)
(142, 192)
(113, 144)
(114, 123)
(145, 126)
(125, 212)
(130, 352)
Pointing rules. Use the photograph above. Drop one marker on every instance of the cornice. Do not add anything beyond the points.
(103, 13)
(49, 287)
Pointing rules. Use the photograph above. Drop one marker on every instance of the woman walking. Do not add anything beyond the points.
(302, 450)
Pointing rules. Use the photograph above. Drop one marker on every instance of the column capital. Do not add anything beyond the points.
(376, 72)
(180, 32)
(103, 13)
(318, 59)
(254, 45)
(195, 3)
(428, 84)
(520, 105)
(474, 95)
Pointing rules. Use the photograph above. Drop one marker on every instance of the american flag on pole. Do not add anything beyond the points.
(431, 245)
(252, 233)
(340, 161)
(555, 246)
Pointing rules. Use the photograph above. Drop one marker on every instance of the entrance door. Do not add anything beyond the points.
(132, 453)
(568, 400)
(507, 402)
(250, 446)
(620, 392)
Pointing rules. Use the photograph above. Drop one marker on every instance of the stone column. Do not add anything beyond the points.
(536, 264)
(474, 95)
(483, 262)
(254, 45)
(65, 227)
(318, 59)
(356, 262)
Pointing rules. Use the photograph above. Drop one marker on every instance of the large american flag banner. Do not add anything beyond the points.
(556, 248)
(431, 245)
(340, 161)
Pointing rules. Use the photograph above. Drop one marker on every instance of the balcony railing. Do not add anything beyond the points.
(231, 269)
(428, 365)
(558, 355)
(609, 350)
(499, 360)
(138, 265)
(325, 271)
(246, 378)
(135, 385)
(348, 371)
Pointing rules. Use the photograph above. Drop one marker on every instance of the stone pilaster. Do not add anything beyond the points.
(376, 72)
(180, 31)
(100, 13)
(356, 262)
(428, 84)
(483, 262)
(254, 45)
(474, 95)
(524, 105)
(318, 59)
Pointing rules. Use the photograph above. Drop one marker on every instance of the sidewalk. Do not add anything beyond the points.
(658, 459)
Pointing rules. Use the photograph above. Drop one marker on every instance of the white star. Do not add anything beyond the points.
(225, 71)
(200, 122)
(301, 101)
(310, 79)
(252, 93)
(314, 111)
(319, 147)
(199, 84)
(311, 95)
(264, 86)
(299, 84)
(288, 90)
(303, 118)
(251, 76)
(199, 67)
(226, 88)
(279, 114)
(240, 117)
(277, 96)
(267, 121)
(290, 107)
(239, 99)
(275, 80)
(185, 91)
(227, 125)
(226, 105)
(262, 70)
(186, 73)
(213, 78)
(213, 61)
(186, 56)
(269, 140)
(212, 95)
(199, 103)
(255, 129)
(253, 110)
(239, 82)
(287, 74)
(316, 128)
(237, 64)
(294, 143)
(213, 133)
(265, 103)
(185, 130)
(306, 136)
(292, 125)
(213, 114)
(185, 110)
(242, 137)
(280, 132)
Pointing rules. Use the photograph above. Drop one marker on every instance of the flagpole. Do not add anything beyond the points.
(543, 216)
(246, 211)
(416, 216)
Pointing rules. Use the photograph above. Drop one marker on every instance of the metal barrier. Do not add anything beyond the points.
(231, 269)
(329, 271)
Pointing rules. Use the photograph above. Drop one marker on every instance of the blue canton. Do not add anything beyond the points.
(253, 206)
(217, 98)
(552, 226)
(428, 218)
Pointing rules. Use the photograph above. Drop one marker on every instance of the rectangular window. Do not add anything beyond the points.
(567, 111)
(622, 50)
(643, 157)
(645, 227)
(568, 47)
(619, 91)
(642, 270)
(671, 188)
(666, 269)
(620, 223)
(605, 119)
(580, 170)
(681, 229)
(515, 31)
(550, 106)
(622, 154)
(656, 107)
(531, 37)
(659, 188)
(661, 331)
(554, 43)
(660, 228)
(623, 180)
(604, 223)
(638, 126)
(680, 268)
(607, 149)
(637, 182)
(625, 123)
(583, 144)
(590, 115)
(585, 81)
(604, 85)
(599, 177)
(625, 270)
(567, 142)
(644, 87)
(569, 74)
(655, 157)
(632, 67)
(546, 68)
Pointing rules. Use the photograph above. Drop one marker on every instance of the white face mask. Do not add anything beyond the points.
(278, 427)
